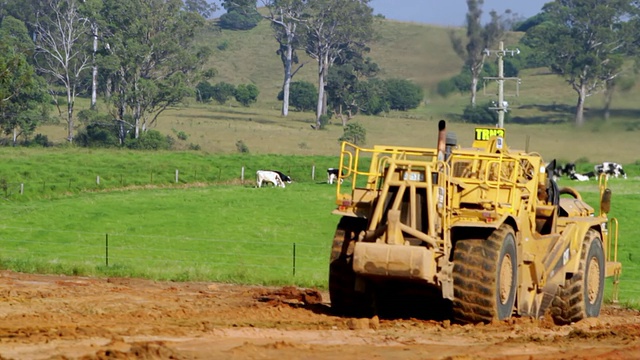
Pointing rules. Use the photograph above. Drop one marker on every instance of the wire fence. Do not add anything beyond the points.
(182, 258)
(165, 177)
(165, 257)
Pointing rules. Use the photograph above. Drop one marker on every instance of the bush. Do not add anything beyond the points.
(302, 95)
(460, 83)
(242, 147)
(354, 133)
(42, 140)
(150, 140)
(403, 94)
(224, 45)
(204, 91)
(446, 87)
(246, 94)
(482, 114)
(182, 135)
(222, 92)
(324, 121)
(373, 97)
(235, 20)
(98, 135)
(510, 68)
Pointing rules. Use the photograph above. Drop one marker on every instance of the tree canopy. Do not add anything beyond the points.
(151, 56)
(585, 42)
(334, 27)
(478, 37)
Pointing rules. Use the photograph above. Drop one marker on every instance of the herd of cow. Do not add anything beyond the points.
(278, 179)
(608, 168)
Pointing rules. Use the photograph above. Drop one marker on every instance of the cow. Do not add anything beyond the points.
(332, 175)
(283, 177)
(610, 169)
(268, 176)
(579, 177)
(567, 170)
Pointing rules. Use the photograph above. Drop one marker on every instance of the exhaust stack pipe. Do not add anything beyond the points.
(442, 139)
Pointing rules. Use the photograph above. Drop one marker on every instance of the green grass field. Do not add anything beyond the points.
(229, 233)
(205, 230)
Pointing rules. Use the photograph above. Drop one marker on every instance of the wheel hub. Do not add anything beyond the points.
(593, 286)
(506, 276)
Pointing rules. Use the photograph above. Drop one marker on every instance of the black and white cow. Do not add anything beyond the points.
(332, 175)
(564, 170)
(274, 177)
(610, 169)
(580, 177)
(283, 177)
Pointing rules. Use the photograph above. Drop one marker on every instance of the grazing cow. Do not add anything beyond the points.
(579, 177)
(332, 175)
(268, 176)
(568, 169)
(283, 177)
(610, 169)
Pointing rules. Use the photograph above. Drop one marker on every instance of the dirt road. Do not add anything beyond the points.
(62, 317)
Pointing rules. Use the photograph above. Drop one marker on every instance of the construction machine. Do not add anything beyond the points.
(486, 228)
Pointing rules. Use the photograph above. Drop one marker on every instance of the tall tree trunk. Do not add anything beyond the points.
(325, 70)
(122, 130)
(107, 91)
(122, 107)
(474, 87)
(70, 97)
(136, 114)
(582, 94)
(287, 80)
(320, 92)
(94, 75)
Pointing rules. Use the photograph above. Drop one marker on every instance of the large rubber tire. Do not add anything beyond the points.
(345, 300)
(484, 277)
(581, 296)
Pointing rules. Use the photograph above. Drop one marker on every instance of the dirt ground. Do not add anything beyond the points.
(63, 317)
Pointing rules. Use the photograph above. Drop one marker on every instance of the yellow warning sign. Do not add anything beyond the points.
(484, 134)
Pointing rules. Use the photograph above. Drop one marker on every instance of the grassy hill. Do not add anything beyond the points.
(422, 53)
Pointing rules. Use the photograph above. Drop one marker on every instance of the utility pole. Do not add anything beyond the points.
(502, 105)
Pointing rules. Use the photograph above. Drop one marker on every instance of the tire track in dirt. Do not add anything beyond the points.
(64, 317)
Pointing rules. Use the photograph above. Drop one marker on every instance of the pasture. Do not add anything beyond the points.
(225, 230)
(233, 233)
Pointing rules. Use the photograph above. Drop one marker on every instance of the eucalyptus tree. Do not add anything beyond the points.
(62, 38)
(91, 10)
(287, 19)
(333, 27)
(348, 90)
(585, 42)
(27, 11)
(202, 7)
(153, 63)
(22, 99)
(478, 37)
(240, 15)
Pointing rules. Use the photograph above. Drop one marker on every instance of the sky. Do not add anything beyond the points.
(443, 12)
(449, 12)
